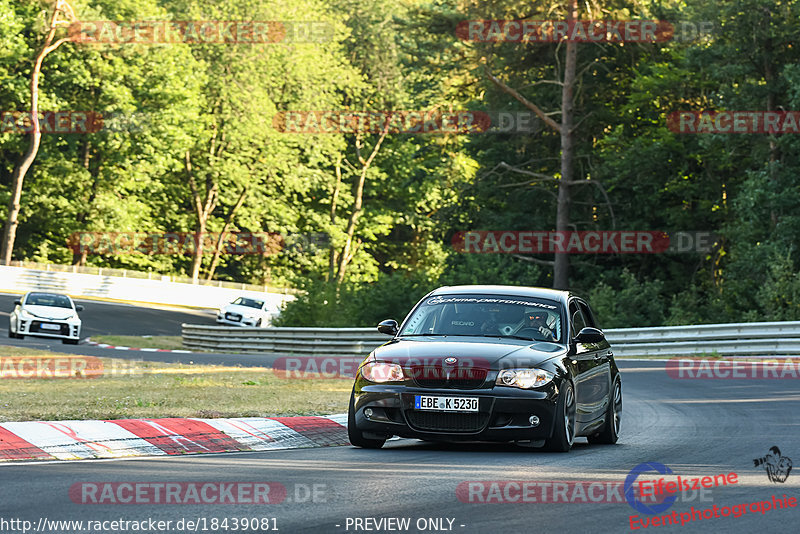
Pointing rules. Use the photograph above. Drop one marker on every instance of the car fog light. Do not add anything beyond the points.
(368, 413)
(534, 420)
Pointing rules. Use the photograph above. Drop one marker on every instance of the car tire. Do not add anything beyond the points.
(564, 428)
(610, 433)
(258, 324)
(69, 341)
(14, 335)
(354, 434)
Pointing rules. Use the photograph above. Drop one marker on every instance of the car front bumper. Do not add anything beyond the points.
(503, 413)
(246, 321)
(34, 327)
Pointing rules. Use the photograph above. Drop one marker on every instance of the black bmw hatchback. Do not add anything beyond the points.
(490, 363)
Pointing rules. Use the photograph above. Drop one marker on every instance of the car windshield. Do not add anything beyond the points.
(486, 315)
(44, 299)
(250, 303)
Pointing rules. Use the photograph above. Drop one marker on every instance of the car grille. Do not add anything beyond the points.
(457, 378)
(36, 326)
(447, 422)
(233, 316)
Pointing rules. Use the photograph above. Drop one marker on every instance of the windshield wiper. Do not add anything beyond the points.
(512, 336)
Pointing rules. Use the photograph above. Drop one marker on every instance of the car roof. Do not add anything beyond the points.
(518, 291)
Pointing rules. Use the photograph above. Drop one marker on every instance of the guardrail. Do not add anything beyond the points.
(283, 340)
(775, 339)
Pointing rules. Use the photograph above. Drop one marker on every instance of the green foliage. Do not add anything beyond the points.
(216, 103)
(390, 297)
(631, 302)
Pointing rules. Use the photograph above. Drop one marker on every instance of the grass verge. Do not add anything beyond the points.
(138, 389)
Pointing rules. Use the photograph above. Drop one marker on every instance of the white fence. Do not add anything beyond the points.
(127, 289)
(778, 339)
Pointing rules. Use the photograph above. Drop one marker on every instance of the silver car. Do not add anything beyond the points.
(46, 315)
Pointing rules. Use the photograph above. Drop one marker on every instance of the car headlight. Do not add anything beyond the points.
(382, 372)
(25, 314)
(523, 378)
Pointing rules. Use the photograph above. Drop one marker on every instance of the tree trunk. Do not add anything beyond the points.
(348, 251)
(18, 176)
(79, 256)
(346, 255)
(220, 239)
(561, 269)
(334, 255)
(197, 255)
(202, 208)
(564, 129)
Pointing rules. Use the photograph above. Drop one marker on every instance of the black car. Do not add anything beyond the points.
(490, 363)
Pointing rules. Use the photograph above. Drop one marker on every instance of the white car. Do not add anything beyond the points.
(46, 315)
(245, 311)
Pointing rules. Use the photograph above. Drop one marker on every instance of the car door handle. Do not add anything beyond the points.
(598, 357)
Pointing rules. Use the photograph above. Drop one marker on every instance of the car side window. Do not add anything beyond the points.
(577, 322)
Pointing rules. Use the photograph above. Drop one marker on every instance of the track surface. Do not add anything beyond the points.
(122, 319)
(127, 320)
(695, 427)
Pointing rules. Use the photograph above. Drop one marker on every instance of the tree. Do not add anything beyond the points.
(62, 16)
(239, 150)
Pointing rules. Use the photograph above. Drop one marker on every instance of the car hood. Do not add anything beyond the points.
(243, 310)
(493, 353)
(49, 312)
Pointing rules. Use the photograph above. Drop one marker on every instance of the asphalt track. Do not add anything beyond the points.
(129, 320)
(694, 427)
(122, 319)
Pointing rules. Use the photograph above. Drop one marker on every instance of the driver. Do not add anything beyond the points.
(538, 321)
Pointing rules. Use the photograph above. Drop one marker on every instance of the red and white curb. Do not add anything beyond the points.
(89, 341)
(79, 440)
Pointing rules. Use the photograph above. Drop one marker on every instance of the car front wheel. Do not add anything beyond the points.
(13, 335)
(564, 427)
(354, 434)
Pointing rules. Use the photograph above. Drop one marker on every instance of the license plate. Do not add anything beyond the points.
(48, 326)
(233, 317)
(446, 404)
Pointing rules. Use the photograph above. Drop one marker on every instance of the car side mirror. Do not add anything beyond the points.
(18, 302)
(388, 327)
(78, 307)
(589, 335)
